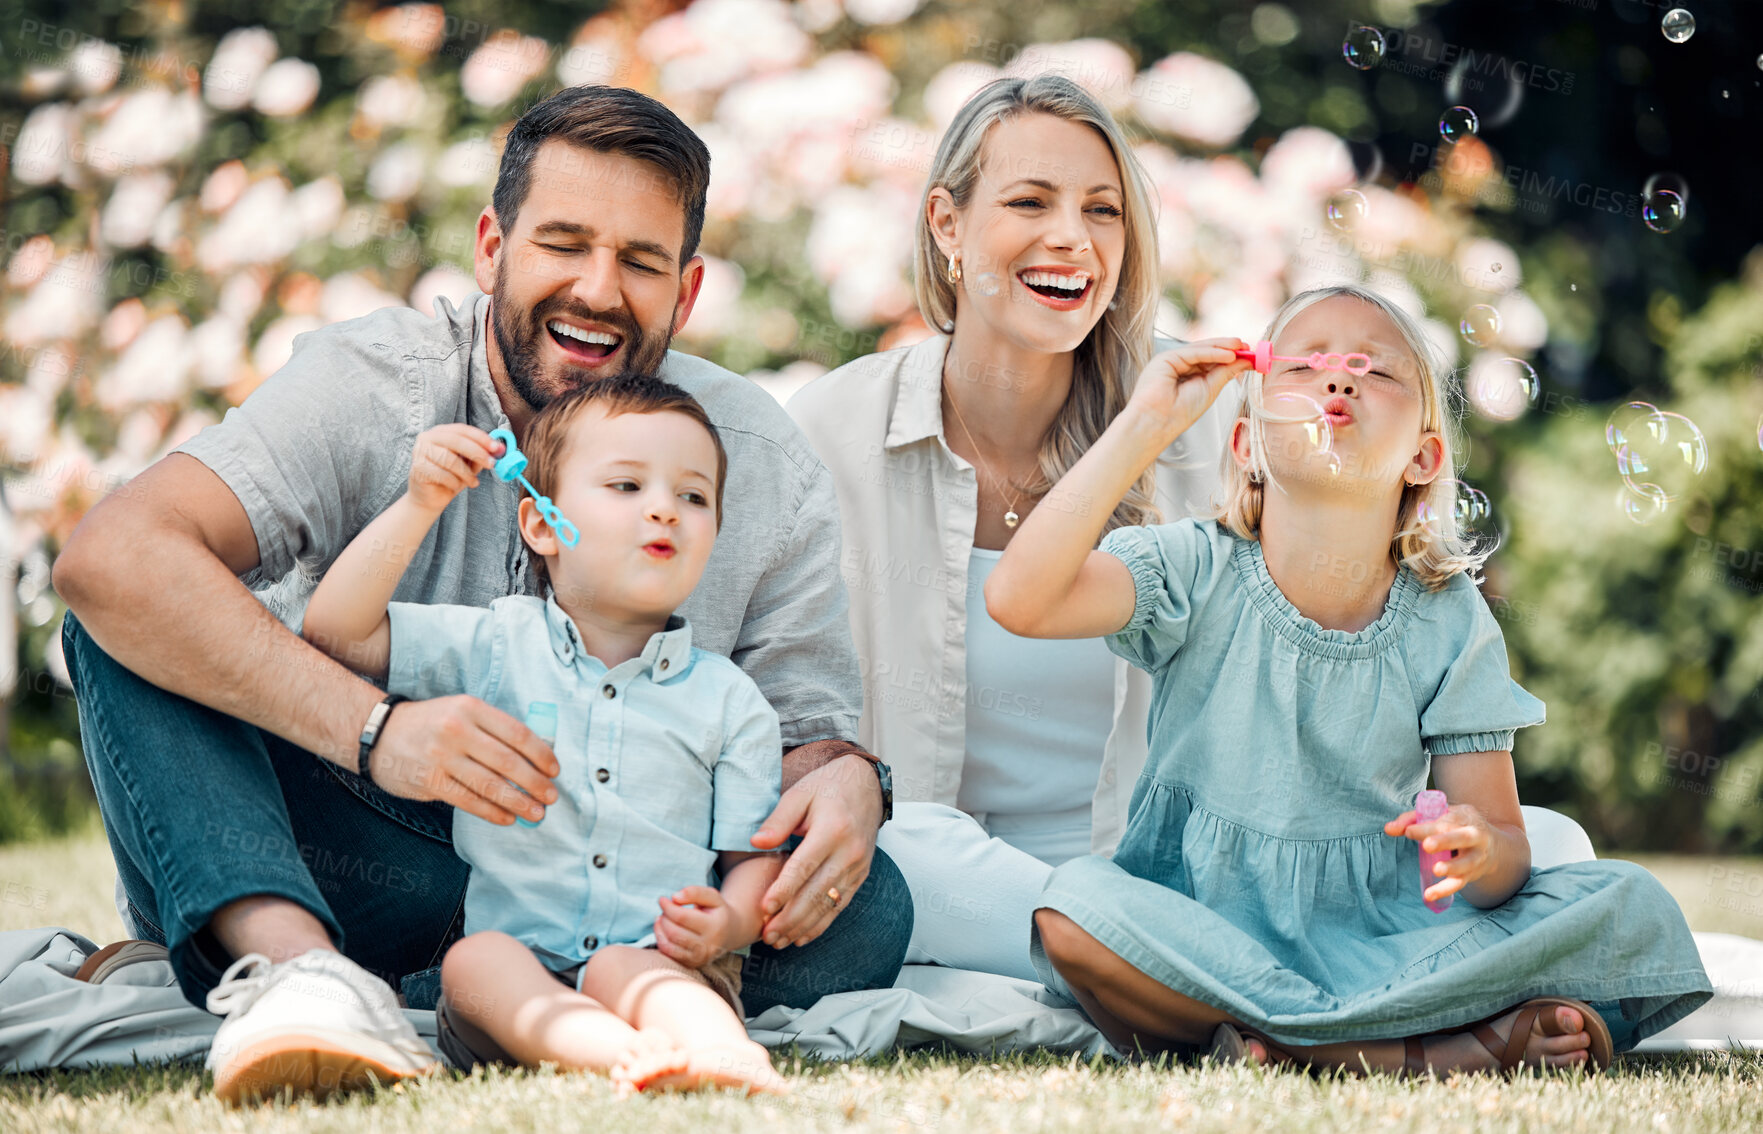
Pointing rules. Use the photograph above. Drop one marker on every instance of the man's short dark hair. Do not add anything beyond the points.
(608, 120)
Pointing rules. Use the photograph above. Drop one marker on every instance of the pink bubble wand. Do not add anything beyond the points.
(1262, 359)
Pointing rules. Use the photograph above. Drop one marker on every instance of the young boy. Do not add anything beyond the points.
(670, 757)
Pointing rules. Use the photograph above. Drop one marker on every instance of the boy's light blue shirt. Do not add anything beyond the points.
(665, 759)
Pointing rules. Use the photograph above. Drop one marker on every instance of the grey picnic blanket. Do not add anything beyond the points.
(48, 1019)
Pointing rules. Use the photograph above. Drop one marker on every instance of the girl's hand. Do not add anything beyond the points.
(447, 461)
(1179, 385)
(693, 926)
(1463, 831)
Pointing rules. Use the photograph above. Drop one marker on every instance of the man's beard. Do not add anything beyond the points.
(518, 338)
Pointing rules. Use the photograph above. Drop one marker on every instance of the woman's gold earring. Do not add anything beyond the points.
(954, 270)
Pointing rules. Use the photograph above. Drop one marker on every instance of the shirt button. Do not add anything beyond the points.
(590, 943)
(609, 691)
(600, 860)
(663, 663)
(602, 775)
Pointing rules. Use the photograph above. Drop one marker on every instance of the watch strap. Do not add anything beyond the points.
(370, 735)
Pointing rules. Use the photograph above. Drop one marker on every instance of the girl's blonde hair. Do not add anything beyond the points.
(1111, 356)
(1427, 540)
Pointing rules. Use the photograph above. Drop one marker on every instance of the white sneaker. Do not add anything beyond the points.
(316, 1022)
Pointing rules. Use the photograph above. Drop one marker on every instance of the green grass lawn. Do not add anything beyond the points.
(68, 882)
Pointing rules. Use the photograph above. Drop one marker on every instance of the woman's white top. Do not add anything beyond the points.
(1039, 711)
(907, 505)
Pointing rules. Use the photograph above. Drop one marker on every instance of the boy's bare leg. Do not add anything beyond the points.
(495, 985)
(653, 992)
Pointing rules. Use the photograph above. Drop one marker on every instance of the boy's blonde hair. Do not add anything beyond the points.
(1109, 360)
(1434, 549)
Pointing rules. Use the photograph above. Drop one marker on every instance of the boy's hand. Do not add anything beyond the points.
(1464, 832)
(1179, 385)
(693, 926)
(447, 461)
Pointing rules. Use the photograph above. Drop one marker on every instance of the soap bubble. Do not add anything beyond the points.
(1363, 47)
(1668, 451)
(1663, 210)
(1458, 123)
(1299, 439)
(1678, 25)
(1470, 508)
(1346, 209)
(1632, 417)
(1480, 325)
(1502, 388)
(1640, 502)
(988, 283)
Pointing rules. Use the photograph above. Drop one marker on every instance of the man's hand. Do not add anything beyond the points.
(462, 751)
(836, 808)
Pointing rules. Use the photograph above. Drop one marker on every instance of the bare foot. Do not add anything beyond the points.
(1558, 1039)
(651, 1057)
(743, 1066)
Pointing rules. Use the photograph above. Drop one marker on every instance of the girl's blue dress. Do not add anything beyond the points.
(1254, 874)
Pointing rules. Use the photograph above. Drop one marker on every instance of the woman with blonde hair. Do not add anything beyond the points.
(1036, 257)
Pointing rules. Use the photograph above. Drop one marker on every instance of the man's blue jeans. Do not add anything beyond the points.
(202, 809)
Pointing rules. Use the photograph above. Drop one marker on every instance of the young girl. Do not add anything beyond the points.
(594, 939)
(1317, 649)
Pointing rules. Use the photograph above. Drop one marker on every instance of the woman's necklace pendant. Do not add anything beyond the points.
(1011, 518)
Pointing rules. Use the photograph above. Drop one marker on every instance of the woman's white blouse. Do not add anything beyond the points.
(908, 506)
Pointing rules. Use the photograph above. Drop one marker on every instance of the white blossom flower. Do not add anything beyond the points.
(950, 88)
(217, 352)
(64, 304)
(858, 243)
(149, 127)
(719, 299)
(95, 65)
(1195, 98)
(351, 295)
(286, 89)
(223, 186)
(715, 42)
(133, 207)
(154, 368)
(1523, 326)
(1099, 66)
(396, 174)
(257, 229)
(276, 344)
(879, 12)
(238, 61)
(1488, 265)
(30, 261)
(26, 418)
(317, 206)
(472, 161)
(444, 281)
(391, 100)
(43, 144)
(597, 55)
(501, 66)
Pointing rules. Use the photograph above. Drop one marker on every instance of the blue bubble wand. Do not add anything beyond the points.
(511, 466)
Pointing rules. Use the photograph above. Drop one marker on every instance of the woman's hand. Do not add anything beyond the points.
(1462, 830)
(693, 928)
(447, 461)
(1179, 385)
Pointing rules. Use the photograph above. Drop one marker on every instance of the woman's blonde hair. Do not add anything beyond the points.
(1427, 539)
(1111, 356)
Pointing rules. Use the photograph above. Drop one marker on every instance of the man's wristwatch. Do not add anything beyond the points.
(370, 735)
(886, 775)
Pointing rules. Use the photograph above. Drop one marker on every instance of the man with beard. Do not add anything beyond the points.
(225, 751)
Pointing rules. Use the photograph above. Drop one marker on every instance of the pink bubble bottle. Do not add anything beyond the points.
(1429, 806)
